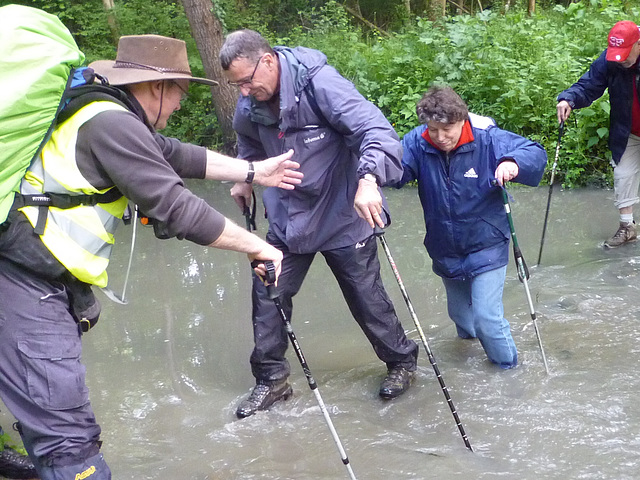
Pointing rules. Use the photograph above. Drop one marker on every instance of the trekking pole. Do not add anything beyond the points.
(273, 294)
(249, 213)
(379, 232)
(133, 244)
(523, 271)
(122, 298)
(553, 174)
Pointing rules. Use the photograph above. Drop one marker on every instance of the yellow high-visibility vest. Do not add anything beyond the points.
(80, 237)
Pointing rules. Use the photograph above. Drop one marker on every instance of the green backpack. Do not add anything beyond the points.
(37, 55)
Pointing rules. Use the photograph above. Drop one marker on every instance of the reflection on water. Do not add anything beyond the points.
(167, 370)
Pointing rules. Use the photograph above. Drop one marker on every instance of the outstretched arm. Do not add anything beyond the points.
(278, 171)
(238, 239)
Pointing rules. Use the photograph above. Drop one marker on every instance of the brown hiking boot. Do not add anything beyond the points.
(626, 233)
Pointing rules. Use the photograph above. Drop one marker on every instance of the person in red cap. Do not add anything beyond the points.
(616, 69)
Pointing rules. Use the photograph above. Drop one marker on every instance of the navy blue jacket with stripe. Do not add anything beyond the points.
(591, 86)
(467, 227)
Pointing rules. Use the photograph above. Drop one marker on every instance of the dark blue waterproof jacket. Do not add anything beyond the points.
(337, 135)
(591, 86)
(467, 227)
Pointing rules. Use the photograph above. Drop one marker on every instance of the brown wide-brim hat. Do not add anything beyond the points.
(146, 58)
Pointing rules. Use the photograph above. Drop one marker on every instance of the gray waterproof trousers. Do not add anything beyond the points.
(42, 381)
(357, 270)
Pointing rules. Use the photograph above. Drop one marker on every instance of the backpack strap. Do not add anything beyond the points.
(79, 91)
(58, 200)
(77, 97)
(313, 103)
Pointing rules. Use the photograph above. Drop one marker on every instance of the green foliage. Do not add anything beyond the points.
(263, 16)
(5, 442)
(509, 67)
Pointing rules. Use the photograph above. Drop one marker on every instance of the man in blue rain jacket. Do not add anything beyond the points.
(617, 69)
(346, 148)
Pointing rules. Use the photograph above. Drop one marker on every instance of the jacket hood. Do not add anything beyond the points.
(298, 66)
(303, 63)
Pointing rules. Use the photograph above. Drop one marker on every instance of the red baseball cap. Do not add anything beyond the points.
(622, 37)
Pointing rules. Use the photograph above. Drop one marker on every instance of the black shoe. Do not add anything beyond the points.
(15, 465)
(262, 397)
(396, 382)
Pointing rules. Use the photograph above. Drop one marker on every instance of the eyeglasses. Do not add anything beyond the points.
(184, 94)
(242, 83)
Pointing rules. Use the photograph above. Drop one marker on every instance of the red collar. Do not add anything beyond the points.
(465, 137)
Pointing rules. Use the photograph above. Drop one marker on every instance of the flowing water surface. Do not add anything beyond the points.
(167, 370)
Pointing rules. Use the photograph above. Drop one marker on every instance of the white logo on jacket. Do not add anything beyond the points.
(471, 173)
(314, 139)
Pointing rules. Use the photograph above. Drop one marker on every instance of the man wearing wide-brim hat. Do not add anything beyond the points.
(108, 151)
(147, 61)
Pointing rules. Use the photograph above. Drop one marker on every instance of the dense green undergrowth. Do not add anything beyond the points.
(507, 66)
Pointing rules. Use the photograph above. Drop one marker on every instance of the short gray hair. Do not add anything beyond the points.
(243, 44)
(443, 105)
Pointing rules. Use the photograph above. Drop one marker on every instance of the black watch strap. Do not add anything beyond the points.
(250, 174)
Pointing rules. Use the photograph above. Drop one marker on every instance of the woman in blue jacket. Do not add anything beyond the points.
(455, 157)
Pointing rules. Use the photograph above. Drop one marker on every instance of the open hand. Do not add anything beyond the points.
(278, 171)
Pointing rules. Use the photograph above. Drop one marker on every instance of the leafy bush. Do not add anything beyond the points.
(510, 67)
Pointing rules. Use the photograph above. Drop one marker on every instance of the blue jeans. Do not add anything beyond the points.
(475, 305)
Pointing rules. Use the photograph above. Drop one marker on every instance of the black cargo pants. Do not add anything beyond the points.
(42, 379)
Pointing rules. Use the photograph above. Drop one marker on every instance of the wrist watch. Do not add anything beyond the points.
(250, 173)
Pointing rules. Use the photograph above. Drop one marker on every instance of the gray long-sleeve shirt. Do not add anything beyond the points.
(118, 148)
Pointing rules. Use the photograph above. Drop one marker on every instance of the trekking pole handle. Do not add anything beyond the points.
(249, 215)
(270, 278)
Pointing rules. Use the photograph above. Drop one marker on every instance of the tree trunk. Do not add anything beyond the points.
(436, 9)
(206, 30)
(360, 18)
(532, 7)
(111, 19)
(355, 6)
